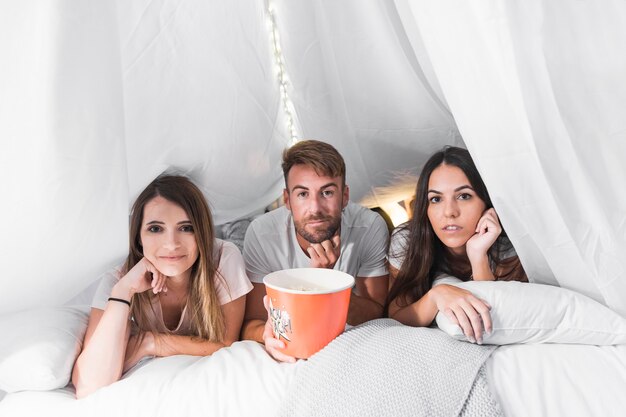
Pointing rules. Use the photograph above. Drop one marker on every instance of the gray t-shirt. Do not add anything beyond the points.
(271, 245)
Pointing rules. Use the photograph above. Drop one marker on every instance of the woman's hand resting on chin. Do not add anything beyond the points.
(142, 277)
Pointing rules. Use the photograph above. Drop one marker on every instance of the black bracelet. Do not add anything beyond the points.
(120, 300)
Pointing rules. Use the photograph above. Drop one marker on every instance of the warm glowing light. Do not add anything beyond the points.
(396, 212)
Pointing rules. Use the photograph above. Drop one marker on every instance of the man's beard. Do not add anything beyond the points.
(318, 236)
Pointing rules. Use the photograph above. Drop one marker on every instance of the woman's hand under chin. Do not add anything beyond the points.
(142, 277)
(487, 231)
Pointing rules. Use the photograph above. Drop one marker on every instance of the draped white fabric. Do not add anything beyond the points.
(538, 90)
(100, 97)
(97, 98)
(357, 83)
(64, 182)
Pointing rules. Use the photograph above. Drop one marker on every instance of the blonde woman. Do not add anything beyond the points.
(180, 291)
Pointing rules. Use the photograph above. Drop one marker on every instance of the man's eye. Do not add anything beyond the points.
(154, 229)
(187, 228)
(464, 196)
(434, 199)
(327, 193)
(302, 194)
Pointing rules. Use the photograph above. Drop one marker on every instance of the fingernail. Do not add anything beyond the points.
(471, 339)
(480, 341)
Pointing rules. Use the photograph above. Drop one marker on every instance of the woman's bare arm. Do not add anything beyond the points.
(101, 361)
(168, 345)
(461, 307)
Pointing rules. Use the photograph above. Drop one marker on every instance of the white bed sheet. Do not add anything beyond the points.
(559, 380)
(239, 381)
(528, 380)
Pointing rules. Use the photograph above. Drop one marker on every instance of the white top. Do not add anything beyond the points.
(271, 245)
(233, 284)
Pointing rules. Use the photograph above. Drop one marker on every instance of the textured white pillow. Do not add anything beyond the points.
(535, 313)
(38, 347)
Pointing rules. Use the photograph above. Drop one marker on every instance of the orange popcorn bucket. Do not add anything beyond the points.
(308, 307)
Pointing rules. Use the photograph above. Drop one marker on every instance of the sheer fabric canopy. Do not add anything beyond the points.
(98, 98)
(538, 92)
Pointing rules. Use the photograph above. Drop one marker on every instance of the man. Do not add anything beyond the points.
(318, 227)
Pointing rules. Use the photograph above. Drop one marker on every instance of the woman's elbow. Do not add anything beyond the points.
(227, 343)
(86, 384)
(85, 388)
(82, 389)
(82, 392)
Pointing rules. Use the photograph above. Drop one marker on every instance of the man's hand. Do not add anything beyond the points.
(273, 345)
(326, 253)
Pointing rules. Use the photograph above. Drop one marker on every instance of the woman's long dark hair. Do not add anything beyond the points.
(425, 256)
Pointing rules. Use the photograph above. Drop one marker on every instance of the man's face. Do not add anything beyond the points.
(315, 203)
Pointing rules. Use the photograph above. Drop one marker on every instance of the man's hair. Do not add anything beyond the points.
(321, 156)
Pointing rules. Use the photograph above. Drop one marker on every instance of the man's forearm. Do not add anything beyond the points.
(253, 330)
(363, 309)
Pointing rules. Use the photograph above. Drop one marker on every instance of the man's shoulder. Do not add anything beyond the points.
(271, 228)
(356, 215)
(271, 221)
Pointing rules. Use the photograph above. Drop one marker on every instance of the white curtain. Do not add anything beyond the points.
(97, 98)
(538, 91)
(63, 171)
(357, 82)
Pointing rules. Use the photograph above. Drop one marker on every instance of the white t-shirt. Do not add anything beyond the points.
(234, 284)
(271, 244)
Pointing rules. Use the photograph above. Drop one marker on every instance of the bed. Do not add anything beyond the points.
(562, 354)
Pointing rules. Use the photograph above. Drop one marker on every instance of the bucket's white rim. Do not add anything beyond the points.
(313, 292)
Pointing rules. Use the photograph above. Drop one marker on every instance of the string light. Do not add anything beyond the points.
(281, 73)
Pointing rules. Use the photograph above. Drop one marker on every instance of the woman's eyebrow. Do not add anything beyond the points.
(455, 190)
(160, 222)
(462, 187)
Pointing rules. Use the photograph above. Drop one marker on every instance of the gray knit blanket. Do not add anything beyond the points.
(383, 368)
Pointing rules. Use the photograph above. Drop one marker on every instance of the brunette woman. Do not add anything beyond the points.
(454, 235)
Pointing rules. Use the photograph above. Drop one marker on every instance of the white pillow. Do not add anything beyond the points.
(38, 347)
(535, 313)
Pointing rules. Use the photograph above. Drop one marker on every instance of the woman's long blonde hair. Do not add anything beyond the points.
(203, 307)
